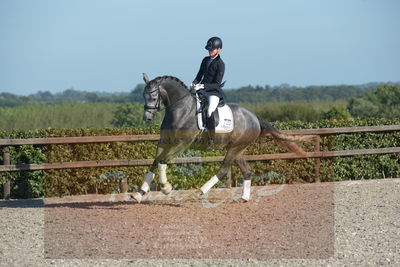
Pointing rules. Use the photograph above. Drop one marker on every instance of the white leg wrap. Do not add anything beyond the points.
(207, 186)
(162, 168)
(246, 190)
(147, 181)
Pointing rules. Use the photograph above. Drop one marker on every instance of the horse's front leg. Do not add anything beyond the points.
(164, 158)
(138, 196)
(165, 153)
(166, 187)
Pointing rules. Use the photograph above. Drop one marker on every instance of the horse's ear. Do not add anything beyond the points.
(146, 78)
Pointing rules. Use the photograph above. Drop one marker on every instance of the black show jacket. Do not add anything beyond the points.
(212, 76)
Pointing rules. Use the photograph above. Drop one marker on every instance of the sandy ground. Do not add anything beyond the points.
(345, 223)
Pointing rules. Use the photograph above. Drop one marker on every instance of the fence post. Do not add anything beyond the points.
(6, 185)
(229, 180)
(317, 160)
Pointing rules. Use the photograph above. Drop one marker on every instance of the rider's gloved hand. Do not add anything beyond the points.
(198, 86)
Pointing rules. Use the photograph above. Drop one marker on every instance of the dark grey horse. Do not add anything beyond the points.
(179, 130)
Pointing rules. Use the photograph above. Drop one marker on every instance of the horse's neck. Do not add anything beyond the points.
(172, 93)
(178, 102)
(173, 89)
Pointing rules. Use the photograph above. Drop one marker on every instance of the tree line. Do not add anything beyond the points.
(384, 102)
(248, 94)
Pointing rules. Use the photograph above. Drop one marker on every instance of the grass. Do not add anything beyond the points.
(63, 116)
(100, 115)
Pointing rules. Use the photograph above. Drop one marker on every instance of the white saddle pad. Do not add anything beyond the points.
(225, 124)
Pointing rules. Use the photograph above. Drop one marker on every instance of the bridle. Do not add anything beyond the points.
(157, 106)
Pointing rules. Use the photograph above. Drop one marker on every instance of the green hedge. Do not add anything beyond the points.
(105, 180)
(25, 184)
(363, 166)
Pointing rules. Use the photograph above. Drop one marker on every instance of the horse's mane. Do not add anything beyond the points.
(160, 79)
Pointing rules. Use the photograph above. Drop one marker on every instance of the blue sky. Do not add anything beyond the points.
(99, 45)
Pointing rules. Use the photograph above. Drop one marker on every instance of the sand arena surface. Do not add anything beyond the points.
(353, 222)
(297, 222)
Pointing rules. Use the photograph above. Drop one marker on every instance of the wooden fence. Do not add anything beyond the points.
(317, 154)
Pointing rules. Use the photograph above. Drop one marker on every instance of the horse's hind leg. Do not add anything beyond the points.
(230, 158)
(246, 171)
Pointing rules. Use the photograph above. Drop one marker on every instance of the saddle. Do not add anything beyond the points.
(221, 120)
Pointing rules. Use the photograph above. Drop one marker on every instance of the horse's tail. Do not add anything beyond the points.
(288, 141)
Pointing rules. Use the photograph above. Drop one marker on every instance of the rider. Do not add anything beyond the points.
(209, 78)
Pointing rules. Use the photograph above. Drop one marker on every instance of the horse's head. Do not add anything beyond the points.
(152, 99)
(166, 90)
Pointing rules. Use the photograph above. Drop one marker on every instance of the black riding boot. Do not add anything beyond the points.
(211, 129)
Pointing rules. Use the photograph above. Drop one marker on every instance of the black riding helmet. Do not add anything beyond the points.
(214, 43)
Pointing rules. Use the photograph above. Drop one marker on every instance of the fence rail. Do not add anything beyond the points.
(155, 137)
(148, 162)
(7, 167)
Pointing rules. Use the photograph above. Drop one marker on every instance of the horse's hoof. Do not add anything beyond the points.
(244, 199)
(241, 199)
(166, 188)
(137, 197)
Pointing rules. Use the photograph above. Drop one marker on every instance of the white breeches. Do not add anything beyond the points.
(213, 102)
